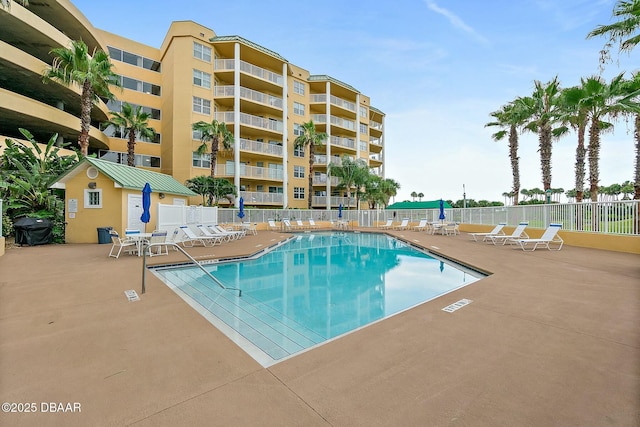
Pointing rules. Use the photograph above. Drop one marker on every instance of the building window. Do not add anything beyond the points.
(201, 105)
(201, 51)
(298, 87)
(298, 192)
(298, 152)
(115, 105)
(259, 188)
(201, 160)
(133, 59)
(363, 128)
(140, 86)
(200, 78)
(276, 190)
(364, 146)
(92, 199)
(298, 171)
(121, 157)
(298, 108)
(297, 129)
(363, 112)
(196, 134)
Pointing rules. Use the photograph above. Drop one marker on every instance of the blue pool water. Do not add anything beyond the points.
(314, 288)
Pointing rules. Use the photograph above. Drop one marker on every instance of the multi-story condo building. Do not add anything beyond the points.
(195, 75)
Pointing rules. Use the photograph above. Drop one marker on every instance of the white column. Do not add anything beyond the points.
(358, 127)
(383, 150)
(285, 137)
(236, 116)
(328, 126)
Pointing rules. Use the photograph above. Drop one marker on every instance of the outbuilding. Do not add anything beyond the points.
(101, 194)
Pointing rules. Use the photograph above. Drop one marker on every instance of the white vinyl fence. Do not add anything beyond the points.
(618, 217)
(171, 217)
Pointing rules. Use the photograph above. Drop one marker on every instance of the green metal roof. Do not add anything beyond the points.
(324, 77)
(374, 109)
(432, 204)
(131, 178)
(248, 43)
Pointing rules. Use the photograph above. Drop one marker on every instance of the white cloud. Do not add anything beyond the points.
(456, 21)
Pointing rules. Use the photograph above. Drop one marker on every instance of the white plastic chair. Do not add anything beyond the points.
(518, 233)
(158, 237)
(120, 244)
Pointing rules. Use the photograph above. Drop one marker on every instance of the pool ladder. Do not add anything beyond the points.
(196, 263)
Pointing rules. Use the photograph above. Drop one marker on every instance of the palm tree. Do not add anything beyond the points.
(510, 117)
(351, 174)
(413, 196)
(625, 31)
(215, 133)
(575, 115)
(631, 102)
(541, 112)
(310, 137)
(601, 102)
(420, 196)
(92, 73)
(135, 124)
(389, 189)
(201, 185)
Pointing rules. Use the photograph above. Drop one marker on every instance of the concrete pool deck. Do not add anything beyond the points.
(550, 339)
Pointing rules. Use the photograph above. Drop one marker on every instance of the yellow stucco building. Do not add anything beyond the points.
(195, 75)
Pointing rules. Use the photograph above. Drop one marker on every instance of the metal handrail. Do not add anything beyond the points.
(176, 246)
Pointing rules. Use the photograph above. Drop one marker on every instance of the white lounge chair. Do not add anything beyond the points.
(451, 228)
(272, 225)
(232, 234)
(422, 225)
(215, 237)
(518, 233)
(312, 223)
(403, 225)
(300, 225)
(250, 228)
(287, 225)
(120, 244)
(191, 238)
(386, 225)
(497, 231)
(550, 236)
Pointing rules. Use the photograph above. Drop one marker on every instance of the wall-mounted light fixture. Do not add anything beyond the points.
(161, 195)
(91, 185)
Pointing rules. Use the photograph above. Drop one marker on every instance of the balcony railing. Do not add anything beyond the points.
(250, 94)
(375, 125)
(322, 159)
(375, 141)
(342, 103)
(322, 179)
(245, 67)
(335, 201)
(337, 121)
(256, 172)
(260, 147)
(250, 120)
(343, 142)
(261, 197)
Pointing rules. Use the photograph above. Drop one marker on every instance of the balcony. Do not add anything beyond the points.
(247, 68)
(334, 100)
(260, 147)
(343, 142)
(375, 125)
(254, 197)
(254, 172)
(273, 125)
(335, 201)
(336, 121)
(322, 180)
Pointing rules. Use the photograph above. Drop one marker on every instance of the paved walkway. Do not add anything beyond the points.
(550, 339)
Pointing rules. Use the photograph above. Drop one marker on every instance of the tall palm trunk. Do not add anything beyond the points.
(580, 156)
(85, 117)
(636, 184)
(594, 154)
(312, 155)
(131, 149)
(214, 155)
(515, 167)
(545, 155)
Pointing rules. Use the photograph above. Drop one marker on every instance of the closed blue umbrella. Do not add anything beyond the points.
(146, 205)
(340, 211)
(241, 212)
(441, 217)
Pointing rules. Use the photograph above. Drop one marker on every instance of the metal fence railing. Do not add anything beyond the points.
(617, 217)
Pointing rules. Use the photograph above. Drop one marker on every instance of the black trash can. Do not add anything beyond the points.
(103, 234)
(33, 231)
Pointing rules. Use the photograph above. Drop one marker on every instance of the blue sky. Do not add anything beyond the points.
(437, 68)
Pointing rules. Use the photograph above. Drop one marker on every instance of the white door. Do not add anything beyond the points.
(134, 212)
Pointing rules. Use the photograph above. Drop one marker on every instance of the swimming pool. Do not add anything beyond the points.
(314, 288)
